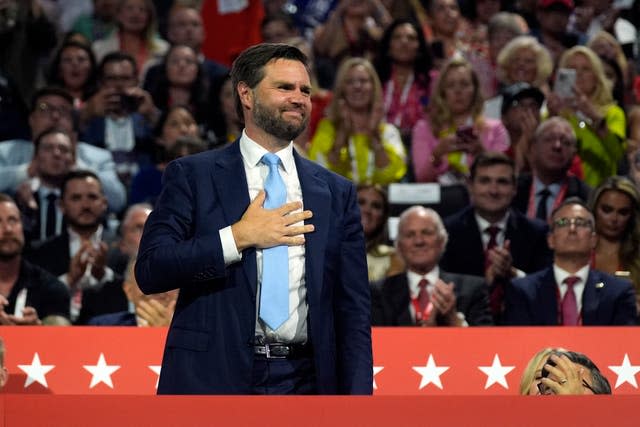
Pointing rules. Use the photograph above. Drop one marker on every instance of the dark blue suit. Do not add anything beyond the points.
(606, 300)
(209, 347)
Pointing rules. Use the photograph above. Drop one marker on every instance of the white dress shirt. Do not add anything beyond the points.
(294, 329)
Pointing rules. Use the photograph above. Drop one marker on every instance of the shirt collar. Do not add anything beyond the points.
(483, 223)
(414, 278)
(560, 274)
(252, 153)
(554, 188)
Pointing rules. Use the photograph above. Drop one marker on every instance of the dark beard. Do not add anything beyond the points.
(8, 256)
(274, 125)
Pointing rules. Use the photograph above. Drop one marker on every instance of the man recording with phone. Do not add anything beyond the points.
(121, 115)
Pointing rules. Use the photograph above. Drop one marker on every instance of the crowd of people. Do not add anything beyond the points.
(533, 107)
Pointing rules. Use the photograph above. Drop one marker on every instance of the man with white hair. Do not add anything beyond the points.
(424, 295)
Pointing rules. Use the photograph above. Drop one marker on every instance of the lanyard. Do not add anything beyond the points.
(355, 174)
(421, 315)
(388, 98)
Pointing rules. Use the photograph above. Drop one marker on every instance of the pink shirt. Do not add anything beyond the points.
(493, 135)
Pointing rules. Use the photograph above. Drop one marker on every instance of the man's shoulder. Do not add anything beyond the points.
(38, 277)
(459, 219)
(16, 150)
(532, 278)
(89, 151)
(331, 178)
(609, 282)
(464, 280)
(122, 318)
(523, 223)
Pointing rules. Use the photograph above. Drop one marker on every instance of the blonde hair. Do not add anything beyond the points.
(602, 94)
(529, 372)
(333, 111)
(439, 111)
(619, 56)
(630, 245)
(543, 59)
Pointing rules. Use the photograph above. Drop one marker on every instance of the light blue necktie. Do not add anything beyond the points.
(274, 294)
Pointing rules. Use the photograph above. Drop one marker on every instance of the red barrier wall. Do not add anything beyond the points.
(407, 361)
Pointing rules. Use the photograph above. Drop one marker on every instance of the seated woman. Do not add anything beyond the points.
(355, 140)
(404, 64)
(136, 34)
(454, 131)
(523, 59)
(183, 81)
(616, 207)
(174, 124)
(599, 123)
(73, 68)
(374, 209)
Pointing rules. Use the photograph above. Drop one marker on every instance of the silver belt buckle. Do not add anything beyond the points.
(268, 354)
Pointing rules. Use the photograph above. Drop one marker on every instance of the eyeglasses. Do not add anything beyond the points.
(48, 109)
(578, 222)
(546, 390)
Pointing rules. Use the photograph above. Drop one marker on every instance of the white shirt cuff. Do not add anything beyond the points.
(229, 248)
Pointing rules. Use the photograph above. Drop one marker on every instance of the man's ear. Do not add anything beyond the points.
(245, 93)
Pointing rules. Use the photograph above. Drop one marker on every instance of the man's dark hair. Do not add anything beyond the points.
(46, 132)
(78, 174)
(600, 384)
(573, 200)
(249, 65)
(5, 198)
(46, 91)
(117, 56)
(492, 158)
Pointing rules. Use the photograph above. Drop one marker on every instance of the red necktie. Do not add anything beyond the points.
(492, 231)
(423, 300)
(569, 303)
(497, 293)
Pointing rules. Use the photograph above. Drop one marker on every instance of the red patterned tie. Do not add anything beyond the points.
(423, 300)
(492, 231)
(569, 303)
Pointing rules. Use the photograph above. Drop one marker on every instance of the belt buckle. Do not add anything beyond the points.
(268, 354)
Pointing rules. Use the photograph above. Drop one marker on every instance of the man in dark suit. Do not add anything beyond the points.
(210, 236)
(37, 197)
(28, 294)
(488, 238)
(424, 295)
(569, 292)
(551, 153)
(78, 255)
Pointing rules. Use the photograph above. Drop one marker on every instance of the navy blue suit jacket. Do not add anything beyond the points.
(390, 302)
(606, 300)
(121, 318)
(464, 253)
(209, 348)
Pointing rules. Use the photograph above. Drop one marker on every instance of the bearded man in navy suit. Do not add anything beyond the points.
(569, 292)
(210, 235)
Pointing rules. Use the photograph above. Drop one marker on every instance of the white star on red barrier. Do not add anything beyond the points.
(496, 373)
(36, 372)
(101, 372)
(430, 373)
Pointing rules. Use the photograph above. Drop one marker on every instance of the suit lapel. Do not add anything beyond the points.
(230, 181)
(397, 295)
(591, 298)
(471, 227)
(546, 303)
(317, 199)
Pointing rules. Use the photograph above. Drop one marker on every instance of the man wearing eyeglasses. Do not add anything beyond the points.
(52, 107)
(569, 292)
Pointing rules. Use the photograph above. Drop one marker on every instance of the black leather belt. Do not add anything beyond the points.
(283, 351)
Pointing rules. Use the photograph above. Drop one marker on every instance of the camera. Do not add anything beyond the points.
(130, 103)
